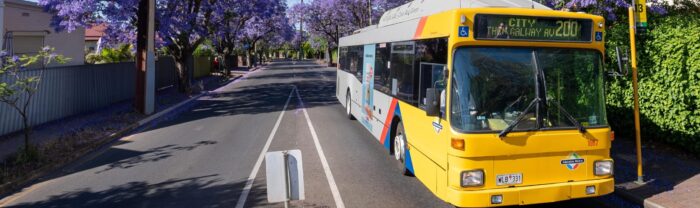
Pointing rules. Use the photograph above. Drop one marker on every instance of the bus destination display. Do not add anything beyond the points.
(505, 27)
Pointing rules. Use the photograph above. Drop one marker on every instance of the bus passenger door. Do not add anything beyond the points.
(434, 130)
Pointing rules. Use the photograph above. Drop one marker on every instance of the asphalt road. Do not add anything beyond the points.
(205, 156)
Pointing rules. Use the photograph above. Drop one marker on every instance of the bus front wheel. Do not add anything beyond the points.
(400, 149)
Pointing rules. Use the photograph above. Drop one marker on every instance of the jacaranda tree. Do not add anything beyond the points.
(332, 19)
(20, 87)
(228, 24)
(610, 9)
(269, 23)
(182, 25)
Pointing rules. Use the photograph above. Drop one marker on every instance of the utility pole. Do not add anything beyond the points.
(144, 102)
(369, 7)
(301, 34)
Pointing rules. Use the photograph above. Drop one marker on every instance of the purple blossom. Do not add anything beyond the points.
(332, 19)
(175, 18)
(181, 26)
(3, 54)
(15, 59)
(610, 9)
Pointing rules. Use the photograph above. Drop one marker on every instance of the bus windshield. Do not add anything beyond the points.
(492, 87)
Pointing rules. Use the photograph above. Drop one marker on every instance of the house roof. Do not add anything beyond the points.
(23, 2)
(95, 32)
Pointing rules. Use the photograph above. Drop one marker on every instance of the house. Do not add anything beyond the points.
(26, 29)
(93, 38)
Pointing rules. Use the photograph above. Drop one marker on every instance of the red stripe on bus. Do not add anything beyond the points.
(419, 29)
(387, 122)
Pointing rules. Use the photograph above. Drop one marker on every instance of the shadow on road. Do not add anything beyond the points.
(124, 159)
(266, 94)
(202, 191)
(317, 88)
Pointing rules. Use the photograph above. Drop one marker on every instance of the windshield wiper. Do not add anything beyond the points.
(568, 116)
(510, 127)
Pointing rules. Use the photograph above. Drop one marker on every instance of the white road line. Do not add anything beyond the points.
(249, 184)
(329, 175)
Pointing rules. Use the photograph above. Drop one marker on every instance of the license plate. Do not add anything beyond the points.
(509, 179)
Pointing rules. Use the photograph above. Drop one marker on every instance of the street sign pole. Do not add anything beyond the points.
(301, 35)
(286, 179)
(635, 91)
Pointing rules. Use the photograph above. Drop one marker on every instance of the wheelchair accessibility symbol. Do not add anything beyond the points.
(463, 31)
(598, 36)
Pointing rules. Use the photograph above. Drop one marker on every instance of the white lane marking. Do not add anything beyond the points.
(329, 175)
(249, 184)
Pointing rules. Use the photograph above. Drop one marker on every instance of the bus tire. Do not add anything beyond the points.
(348, 106)
(399, 150)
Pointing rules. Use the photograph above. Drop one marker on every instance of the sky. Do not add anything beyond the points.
(293, 2)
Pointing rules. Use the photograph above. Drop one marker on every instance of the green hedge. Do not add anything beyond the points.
(669, 81)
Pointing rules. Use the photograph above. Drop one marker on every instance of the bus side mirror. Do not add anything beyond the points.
(432, 105)
(622, 63)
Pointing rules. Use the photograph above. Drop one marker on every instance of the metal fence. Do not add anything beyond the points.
(72, 90)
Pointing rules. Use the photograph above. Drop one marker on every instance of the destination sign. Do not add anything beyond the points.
(507, 27)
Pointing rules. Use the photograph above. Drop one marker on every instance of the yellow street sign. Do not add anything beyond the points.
(640, 13)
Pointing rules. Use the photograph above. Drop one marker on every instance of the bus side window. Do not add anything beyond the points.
(343, 60)
(431, 59)
(357, 60)
(431, 76)
(401, 72)
(382, 81)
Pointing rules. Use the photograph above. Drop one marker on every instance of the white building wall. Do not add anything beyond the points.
(22, 16)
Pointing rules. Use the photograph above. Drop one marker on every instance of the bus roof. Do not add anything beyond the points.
(403, 20)
(419, 8)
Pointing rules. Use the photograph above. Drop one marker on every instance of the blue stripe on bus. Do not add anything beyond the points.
(409, 164)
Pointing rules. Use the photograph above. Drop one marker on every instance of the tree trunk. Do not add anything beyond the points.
(249, 58)
(183, 75)
(222, 65)
(233, 57)
(227, 62)
(329, 56)
(189, 62)
(27, 131)
(261, 58)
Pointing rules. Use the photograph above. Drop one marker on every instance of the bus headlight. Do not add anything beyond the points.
(603, 167)
(472, 178)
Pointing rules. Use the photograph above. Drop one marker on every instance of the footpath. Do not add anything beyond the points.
(672, 176)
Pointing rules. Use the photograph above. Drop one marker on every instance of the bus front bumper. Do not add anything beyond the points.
(530, 194)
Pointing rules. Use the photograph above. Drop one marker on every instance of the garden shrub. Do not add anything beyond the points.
(669, 81)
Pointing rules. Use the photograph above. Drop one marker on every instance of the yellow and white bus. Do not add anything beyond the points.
(487, 103)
